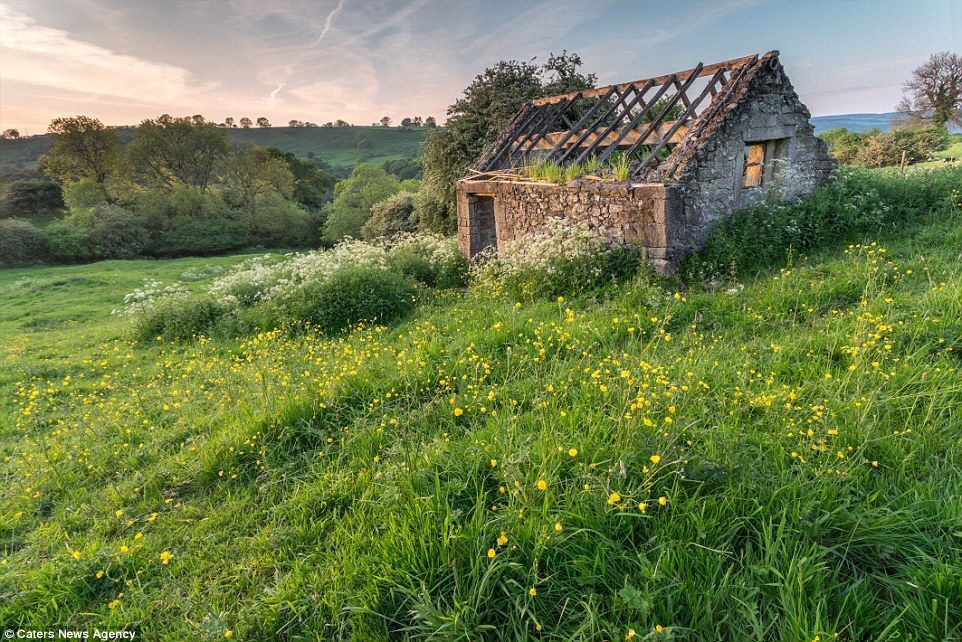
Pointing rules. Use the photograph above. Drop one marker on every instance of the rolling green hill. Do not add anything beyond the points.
(342, 146)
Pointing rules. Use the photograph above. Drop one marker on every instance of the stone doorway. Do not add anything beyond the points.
(484, 231)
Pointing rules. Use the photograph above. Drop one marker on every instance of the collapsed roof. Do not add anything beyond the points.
(654, 124)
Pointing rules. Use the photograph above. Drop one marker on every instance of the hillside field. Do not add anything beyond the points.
(775, 458)
(340, 146)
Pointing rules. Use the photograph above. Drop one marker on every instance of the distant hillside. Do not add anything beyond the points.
(858, 122)
(341, 146)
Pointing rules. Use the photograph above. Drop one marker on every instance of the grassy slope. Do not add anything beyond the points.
(337, 146)
(808, 428)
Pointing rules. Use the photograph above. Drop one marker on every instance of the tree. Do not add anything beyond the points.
(475, 119)
(385, 121)
(253, 172)
(430, 122)
(418, 121)
(341, 123)
(246, 122)
(31, 197)
(353, 199)
(198, 119)
(263, 122)
(10, 134)
(312, 185)
(407, 123)
(295, 123)
(229, 122)
(83, 148)
(391, 216)
(404, 168)
(933, 93)
(167, 151)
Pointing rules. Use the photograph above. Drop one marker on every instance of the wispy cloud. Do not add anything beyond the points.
(329, 21)
(52, 58)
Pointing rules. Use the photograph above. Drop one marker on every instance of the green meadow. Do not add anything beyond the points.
(774, 456)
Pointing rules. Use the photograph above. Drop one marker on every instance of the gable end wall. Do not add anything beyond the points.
(710, 184)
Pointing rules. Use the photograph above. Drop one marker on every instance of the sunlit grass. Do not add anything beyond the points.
(776, 459)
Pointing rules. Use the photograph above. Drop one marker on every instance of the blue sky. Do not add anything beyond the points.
(125, 60)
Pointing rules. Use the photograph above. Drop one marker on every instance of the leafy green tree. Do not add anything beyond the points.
(246, 122)
(353, 199)
(168, 151)
(404, 168)
(312, 184)
(252, 172)
(83, 147)
(475, 120)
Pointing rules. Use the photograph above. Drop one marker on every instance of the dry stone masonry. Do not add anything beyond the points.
(692, 163)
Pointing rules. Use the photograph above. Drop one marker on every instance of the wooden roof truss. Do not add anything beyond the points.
(643, 120)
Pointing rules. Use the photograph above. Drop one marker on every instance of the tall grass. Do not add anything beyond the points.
(775, 461)
(859, 204)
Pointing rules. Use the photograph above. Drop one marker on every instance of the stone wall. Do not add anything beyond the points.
(710, 183)
(630, 214)
(673, 218)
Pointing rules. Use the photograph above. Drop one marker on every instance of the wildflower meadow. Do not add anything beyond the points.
(765, 448)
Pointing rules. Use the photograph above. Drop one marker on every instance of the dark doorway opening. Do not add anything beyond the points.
(484, 232)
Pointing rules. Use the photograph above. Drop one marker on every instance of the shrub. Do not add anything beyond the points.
(31, 197)
(266, 278)
(21, 243)
(434, 211)
(351, 295)
(183, 236)
(277, 222)
(115, 233)
(565, 258)
(179, 318)
(859, 202)
(432, 260)
(68, 241)
(391, 216)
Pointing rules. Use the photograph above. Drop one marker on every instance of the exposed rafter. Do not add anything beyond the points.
(643, 120)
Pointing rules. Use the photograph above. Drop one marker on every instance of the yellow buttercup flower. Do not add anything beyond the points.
(542, 484)
(655, 459)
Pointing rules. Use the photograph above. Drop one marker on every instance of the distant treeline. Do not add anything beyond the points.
(176, 187)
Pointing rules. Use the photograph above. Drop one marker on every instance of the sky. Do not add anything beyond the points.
(126, 60)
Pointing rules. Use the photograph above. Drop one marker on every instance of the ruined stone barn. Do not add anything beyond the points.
(654, 162)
